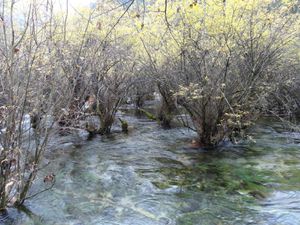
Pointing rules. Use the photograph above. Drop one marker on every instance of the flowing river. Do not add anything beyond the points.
(152, 176)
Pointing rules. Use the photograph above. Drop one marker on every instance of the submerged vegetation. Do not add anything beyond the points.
(213, 67)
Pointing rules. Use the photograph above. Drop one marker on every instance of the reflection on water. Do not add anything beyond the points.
(151, 176)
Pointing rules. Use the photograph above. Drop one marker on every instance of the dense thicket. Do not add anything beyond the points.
(223, 63)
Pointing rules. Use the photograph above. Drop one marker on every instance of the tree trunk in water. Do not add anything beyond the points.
(165, 118)
(25, 190)
(106, 122)
(2, 201)
(139, 102)
(3, 181)
(167, 109)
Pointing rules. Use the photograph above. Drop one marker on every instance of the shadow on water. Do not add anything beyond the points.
(150, 176)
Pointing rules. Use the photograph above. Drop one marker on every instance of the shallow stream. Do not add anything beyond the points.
(152, 176)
